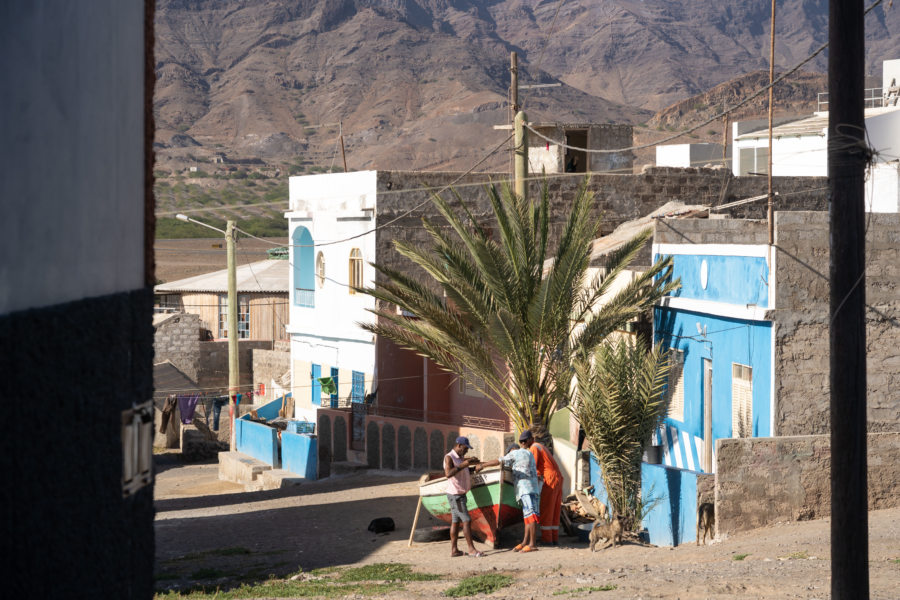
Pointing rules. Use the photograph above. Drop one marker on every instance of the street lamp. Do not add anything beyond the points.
(234, 380)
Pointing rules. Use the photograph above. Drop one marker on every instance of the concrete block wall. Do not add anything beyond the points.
(760, 481)
(213, 364)
(177, 339)
(620, 198)
(802, 352)
(269, 365)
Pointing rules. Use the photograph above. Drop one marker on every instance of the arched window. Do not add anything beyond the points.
(356, 270)
(304, 275)
(320, 269)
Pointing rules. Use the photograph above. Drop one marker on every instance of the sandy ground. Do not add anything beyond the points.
(324, 523)
(179, 259)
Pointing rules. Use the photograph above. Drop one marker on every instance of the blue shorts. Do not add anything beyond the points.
(458, 511)
(530, 506)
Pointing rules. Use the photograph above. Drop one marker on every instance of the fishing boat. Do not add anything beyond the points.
(491, 502)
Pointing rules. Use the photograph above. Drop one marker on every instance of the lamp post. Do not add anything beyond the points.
(234, 379)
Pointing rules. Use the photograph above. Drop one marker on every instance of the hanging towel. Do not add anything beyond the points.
(328, 386)
(187, 405)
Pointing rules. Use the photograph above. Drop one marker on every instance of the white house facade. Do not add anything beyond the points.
(329, 221)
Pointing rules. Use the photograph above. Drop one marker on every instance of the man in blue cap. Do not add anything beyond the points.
(459, 482)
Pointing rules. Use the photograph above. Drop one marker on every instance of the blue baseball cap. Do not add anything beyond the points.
(526, 435)
(464, 441)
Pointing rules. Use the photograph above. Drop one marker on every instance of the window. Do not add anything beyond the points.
(469, 384)
(741, 400)
(675, 386)
(334, 396)
(303, 273)
(358, 388)
(243, 317)
(753, 160)
(314, 374)
(320, 270)
(356, 270)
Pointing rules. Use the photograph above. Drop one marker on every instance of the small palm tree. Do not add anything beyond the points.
(619, 403)
(498, 312)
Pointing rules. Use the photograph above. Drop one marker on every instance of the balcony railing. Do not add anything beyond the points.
(304, 297)
(873, 99)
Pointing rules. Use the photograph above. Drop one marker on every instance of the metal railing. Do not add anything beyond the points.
(305, 297)
(873, 99)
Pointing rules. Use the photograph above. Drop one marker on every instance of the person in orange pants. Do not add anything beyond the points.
(551, 493)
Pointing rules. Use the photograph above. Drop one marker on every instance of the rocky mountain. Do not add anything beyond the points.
(419, 84)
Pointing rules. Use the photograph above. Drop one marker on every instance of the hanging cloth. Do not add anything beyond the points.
(186, 406)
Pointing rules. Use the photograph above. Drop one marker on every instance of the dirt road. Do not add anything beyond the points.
(213, 531)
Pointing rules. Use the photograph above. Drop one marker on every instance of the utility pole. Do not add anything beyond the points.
(234, 375)
(847, 157)
(770, 210)
(521, 149)
(513, 100)
(343, 154)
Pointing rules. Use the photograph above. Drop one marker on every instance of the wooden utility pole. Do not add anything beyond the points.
(343, 154)
(770, 209)
(513, 101)
(847, 159)
(234, 375)
(521, 149)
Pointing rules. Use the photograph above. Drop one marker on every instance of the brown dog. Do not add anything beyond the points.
(706, 520)
(610, 531)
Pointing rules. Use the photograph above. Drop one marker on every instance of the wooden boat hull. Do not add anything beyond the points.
(491, 503)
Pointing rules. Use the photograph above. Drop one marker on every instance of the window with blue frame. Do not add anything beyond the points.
(315, 374)
(334, 396)
(304, 268)
(358, 391)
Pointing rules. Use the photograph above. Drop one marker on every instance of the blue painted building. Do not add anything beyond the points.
(719, 329)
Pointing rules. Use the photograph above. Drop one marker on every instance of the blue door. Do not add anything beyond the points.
(316, 386)
(358, 391)
(334, 396)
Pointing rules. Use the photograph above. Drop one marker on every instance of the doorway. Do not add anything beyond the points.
(707, 463)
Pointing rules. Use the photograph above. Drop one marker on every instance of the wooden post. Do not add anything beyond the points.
(521, 141)
(513, 101)
(847, 159)
(341, 130)
(415, 522)
(234, 376)
(770, 207)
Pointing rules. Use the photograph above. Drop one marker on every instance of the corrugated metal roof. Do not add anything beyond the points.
(816, 125)
(261, 276)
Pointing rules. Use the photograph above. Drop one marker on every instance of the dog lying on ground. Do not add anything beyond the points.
(610, 531)
(706, 520)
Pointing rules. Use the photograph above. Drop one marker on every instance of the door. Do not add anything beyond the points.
(316, 385)
(707, 417)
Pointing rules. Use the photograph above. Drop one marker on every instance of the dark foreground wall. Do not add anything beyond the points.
(68, 373)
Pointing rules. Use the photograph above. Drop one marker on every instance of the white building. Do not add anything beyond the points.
(324, 308)
(688, 155)
(800, 147)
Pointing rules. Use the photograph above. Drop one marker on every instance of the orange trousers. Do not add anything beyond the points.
(551, 505)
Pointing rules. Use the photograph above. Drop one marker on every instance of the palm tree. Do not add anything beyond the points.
(501, 316)
(619, 403)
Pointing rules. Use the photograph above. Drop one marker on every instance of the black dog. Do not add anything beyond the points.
(381, 525)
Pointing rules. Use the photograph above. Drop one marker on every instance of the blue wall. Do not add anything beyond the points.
(731, 279)
(672, 518)
(257, 440)
(300, 454)
(726, 341)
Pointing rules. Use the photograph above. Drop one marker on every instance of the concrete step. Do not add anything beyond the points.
(240, 468)
(347, 467)
(357, 456)
(277, 479)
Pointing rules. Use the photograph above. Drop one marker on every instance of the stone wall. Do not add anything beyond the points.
(177, 339)
(213, 364)
(802, 321)
(619, 198)
(268, 365)
(761, 481)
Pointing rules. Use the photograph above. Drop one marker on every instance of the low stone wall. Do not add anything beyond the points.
(760, 481)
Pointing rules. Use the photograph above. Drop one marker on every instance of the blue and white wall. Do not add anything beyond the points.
(719, 314)
(325, 338)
